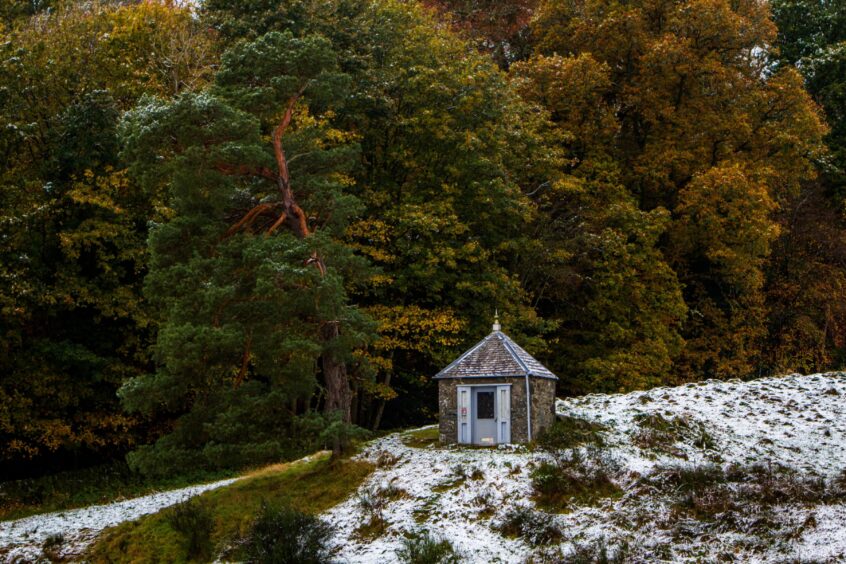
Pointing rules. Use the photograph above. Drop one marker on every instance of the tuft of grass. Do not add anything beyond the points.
(284, 535)
(372, 502)
(535, 527)
(661, 434)
(459, 476)
(423, 548)
(193, 519)
(312, 487)
(570, 432)
(574, 479)
(421, 438)
(484, 499)
(598, 552)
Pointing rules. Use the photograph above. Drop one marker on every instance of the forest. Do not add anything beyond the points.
(233, 231)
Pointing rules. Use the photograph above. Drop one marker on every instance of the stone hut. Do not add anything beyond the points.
(495, 393)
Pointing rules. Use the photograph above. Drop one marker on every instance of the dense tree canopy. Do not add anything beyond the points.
(74, 326)
(231, 231)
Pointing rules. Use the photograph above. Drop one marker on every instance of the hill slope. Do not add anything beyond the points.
(739, 471)
(748, 471)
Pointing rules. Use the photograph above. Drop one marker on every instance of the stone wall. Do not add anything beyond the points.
(543, 405)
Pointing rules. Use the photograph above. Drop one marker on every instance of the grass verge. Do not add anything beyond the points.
(89, 486)
(311, 487)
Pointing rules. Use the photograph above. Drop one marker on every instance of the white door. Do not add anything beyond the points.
(503, 419)
(483, 403)
(463, 414)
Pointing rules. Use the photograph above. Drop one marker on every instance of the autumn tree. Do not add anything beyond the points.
(74, 326)
(594, 267)
(499, 28)
(806, 279)
(707, 133)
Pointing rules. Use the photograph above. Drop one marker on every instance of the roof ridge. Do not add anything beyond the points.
(508, 342)
(495, 355)
(466, 354)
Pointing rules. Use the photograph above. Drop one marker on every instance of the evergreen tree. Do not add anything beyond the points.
(74, 326)
(248, 274)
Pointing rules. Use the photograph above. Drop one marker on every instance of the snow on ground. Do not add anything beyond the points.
(22, 540)
(462, 494)
(796, 422)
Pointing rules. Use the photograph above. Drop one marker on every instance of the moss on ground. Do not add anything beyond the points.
(312, 487)
(421, 438)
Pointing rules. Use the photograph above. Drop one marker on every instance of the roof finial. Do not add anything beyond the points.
(496, 325)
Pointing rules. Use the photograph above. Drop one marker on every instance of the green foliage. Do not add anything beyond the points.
(341, 436)
(193, 519)
(74, 326)
(284, 535)
(535, 527)
(574, 478)
(569, 432)
(234, 428)
(424, 548)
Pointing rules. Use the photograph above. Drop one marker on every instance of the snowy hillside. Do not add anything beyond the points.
(721, 470)
(752, 471)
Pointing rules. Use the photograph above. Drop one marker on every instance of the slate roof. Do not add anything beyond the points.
(495, 355)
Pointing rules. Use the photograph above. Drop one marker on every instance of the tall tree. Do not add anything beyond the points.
(807, 277)
(446, 148)
(248, 274)
(707, 133)
(74, 325)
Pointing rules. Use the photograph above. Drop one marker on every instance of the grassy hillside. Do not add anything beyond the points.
(311, 487)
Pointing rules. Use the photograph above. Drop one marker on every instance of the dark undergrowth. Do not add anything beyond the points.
(709, 500)
(574, 478)
(570, 432)
(89, 486)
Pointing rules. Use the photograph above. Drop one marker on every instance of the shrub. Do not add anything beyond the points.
(283, 535)
(535, 527)
(569, 432)
(193, 519)
(598, 552)
(372, 502)
(660, 434)
(423, 548)
(340, 436)
(574, 479)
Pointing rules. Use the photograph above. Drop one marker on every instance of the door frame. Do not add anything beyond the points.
(464, 419)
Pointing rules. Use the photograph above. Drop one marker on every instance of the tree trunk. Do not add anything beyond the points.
(377, 420)
(338, 393)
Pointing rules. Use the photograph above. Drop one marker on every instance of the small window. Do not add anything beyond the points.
(485, 405)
